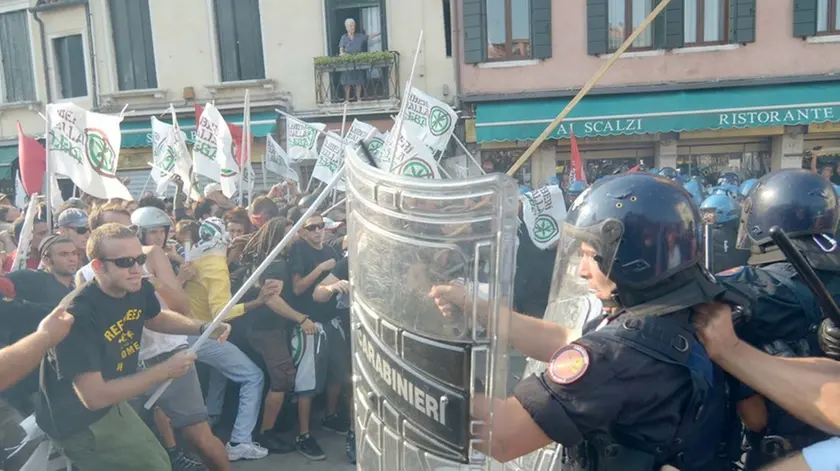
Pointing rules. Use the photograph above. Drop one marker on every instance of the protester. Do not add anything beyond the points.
(94, 370)
(39, 231)
(49, 286)
(73, 223)
(262, 209)
(213, 192)
(237, 223)
(204, 209)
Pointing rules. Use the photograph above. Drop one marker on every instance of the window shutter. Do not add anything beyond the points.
(18, 77)
(249, 40)
(804, 18)
(541, 29)
(226, 35)
(742, 21)
(475, 40)
(597, 27)
(669, 26)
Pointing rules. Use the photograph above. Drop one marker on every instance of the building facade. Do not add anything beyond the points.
(712, 84)
(148, 54)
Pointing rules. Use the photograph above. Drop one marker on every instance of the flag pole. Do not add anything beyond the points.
(48, 174)
(234, 300)
(401, 115)
(469, 155)
(586, 88)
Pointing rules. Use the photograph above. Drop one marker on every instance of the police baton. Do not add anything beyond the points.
(809, 276)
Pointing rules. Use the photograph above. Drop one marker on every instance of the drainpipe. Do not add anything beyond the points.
(44, 61)
(455, 12)
(92, 54)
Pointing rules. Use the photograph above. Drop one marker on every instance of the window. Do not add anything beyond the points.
(706, 22)
(70, 64)
(240, 40)
(624, 17)
(135, 53)
(828, 17)
(447, 27)
(18, 79)
(508, 29)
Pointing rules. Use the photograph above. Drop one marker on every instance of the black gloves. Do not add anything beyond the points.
(829, 335)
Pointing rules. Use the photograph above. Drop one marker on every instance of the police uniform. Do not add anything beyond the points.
(783, 315)
(637, 391)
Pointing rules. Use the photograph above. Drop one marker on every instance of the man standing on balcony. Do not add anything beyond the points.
(353, 43)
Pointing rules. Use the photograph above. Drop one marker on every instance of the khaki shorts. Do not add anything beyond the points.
(118, 441)
(273, 346)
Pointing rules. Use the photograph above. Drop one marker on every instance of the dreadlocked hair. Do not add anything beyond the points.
(265, 239)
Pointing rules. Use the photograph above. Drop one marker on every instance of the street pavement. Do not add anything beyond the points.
(333, 445)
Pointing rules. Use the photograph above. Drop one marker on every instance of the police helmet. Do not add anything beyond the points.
(748, 186)
(150, 217)
(800, 202)
(307, 201)
(644, 233)
(729, 178)
(669, 172)
(573, 191)
(725, 206)
(696, 189)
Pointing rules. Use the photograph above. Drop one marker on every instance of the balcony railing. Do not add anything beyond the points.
(375, 74)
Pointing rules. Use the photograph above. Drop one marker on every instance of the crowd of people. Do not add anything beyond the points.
(143, 280)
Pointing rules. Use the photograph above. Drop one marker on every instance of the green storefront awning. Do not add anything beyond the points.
(8, 154)
(650, 113)
(139, 133)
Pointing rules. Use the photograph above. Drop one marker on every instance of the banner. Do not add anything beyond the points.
(430, 119)
(213, 150)
(543, 211)
(85, 147)
(164, 153)
(412, 157)
(301, 139)
(329, 159)
(277, 161)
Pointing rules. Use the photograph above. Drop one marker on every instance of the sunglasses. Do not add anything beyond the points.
(81, 230)
(127, 262)
(314, 227)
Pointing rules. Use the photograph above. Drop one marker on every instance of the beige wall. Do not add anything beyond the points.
(186, 55)
(775, 53)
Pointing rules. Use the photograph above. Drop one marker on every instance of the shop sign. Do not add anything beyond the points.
(695, 120)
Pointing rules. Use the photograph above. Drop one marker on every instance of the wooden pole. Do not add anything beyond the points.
(586, 88)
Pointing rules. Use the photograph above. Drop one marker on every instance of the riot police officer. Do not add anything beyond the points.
(573, 191)
(669, 172)
(697, 189)
(784, 316)
(727, 212)
(636, 391)
(747, 187)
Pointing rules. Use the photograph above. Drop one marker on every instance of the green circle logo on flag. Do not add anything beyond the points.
(416, 168)
(545, 228)
(375, 144)
(439, 121)
(227, 173)
(169, 160)
(100, 154)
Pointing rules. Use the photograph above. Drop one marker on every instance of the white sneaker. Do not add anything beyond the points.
(245, 451)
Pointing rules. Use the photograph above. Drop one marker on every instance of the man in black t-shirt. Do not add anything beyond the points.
(93, 371)
(309, 263)
(337, 285)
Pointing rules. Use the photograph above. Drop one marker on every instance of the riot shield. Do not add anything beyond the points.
(417, 374)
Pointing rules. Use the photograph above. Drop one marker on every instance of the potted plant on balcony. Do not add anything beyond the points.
(365, 60)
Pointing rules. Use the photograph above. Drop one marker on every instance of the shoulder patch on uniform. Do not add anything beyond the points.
(568, 364)
(731, 271)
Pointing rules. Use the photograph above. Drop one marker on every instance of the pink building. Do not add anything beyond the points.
(711, 84)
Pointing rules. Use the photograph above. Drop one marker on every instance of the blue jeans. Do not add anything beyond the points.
(228, 362)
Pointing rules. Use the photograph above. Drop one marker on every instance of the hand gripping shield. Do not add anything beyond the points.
(419, 377)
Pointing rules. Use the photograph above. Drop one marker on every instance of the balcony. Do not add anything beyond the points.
(377, 74)
(45, 5)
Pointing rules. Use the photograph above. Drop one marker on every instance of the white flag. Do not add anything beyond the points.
(277, 161)
(412, 157)
(164, 153)
(430, 119)
(543, 211)
(213, 150)
(183, 163)
(359, 131)
(376, 146)
(329, 159)
(85, 147)
(301, 139)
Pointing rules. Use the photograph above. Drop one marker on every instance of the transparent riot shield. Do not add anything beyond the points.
(419, 376)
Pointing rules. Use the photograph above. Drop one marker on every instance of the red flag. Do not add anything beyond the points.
(236, 132)
(33, 162)
(635, 169)
(577, 173)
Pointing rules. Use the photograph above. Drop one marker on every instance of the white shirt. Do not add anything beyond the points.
(152, 343)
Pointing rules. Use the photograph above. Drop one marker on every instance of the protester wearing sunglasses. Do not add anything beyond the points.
(73, 223)
(94, 371)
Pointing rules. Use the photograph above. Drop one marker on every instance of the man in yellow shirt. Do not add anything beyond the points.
(208, 292)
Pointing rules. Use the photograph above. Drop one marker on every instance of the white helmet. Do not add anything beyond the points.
(150, 217)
